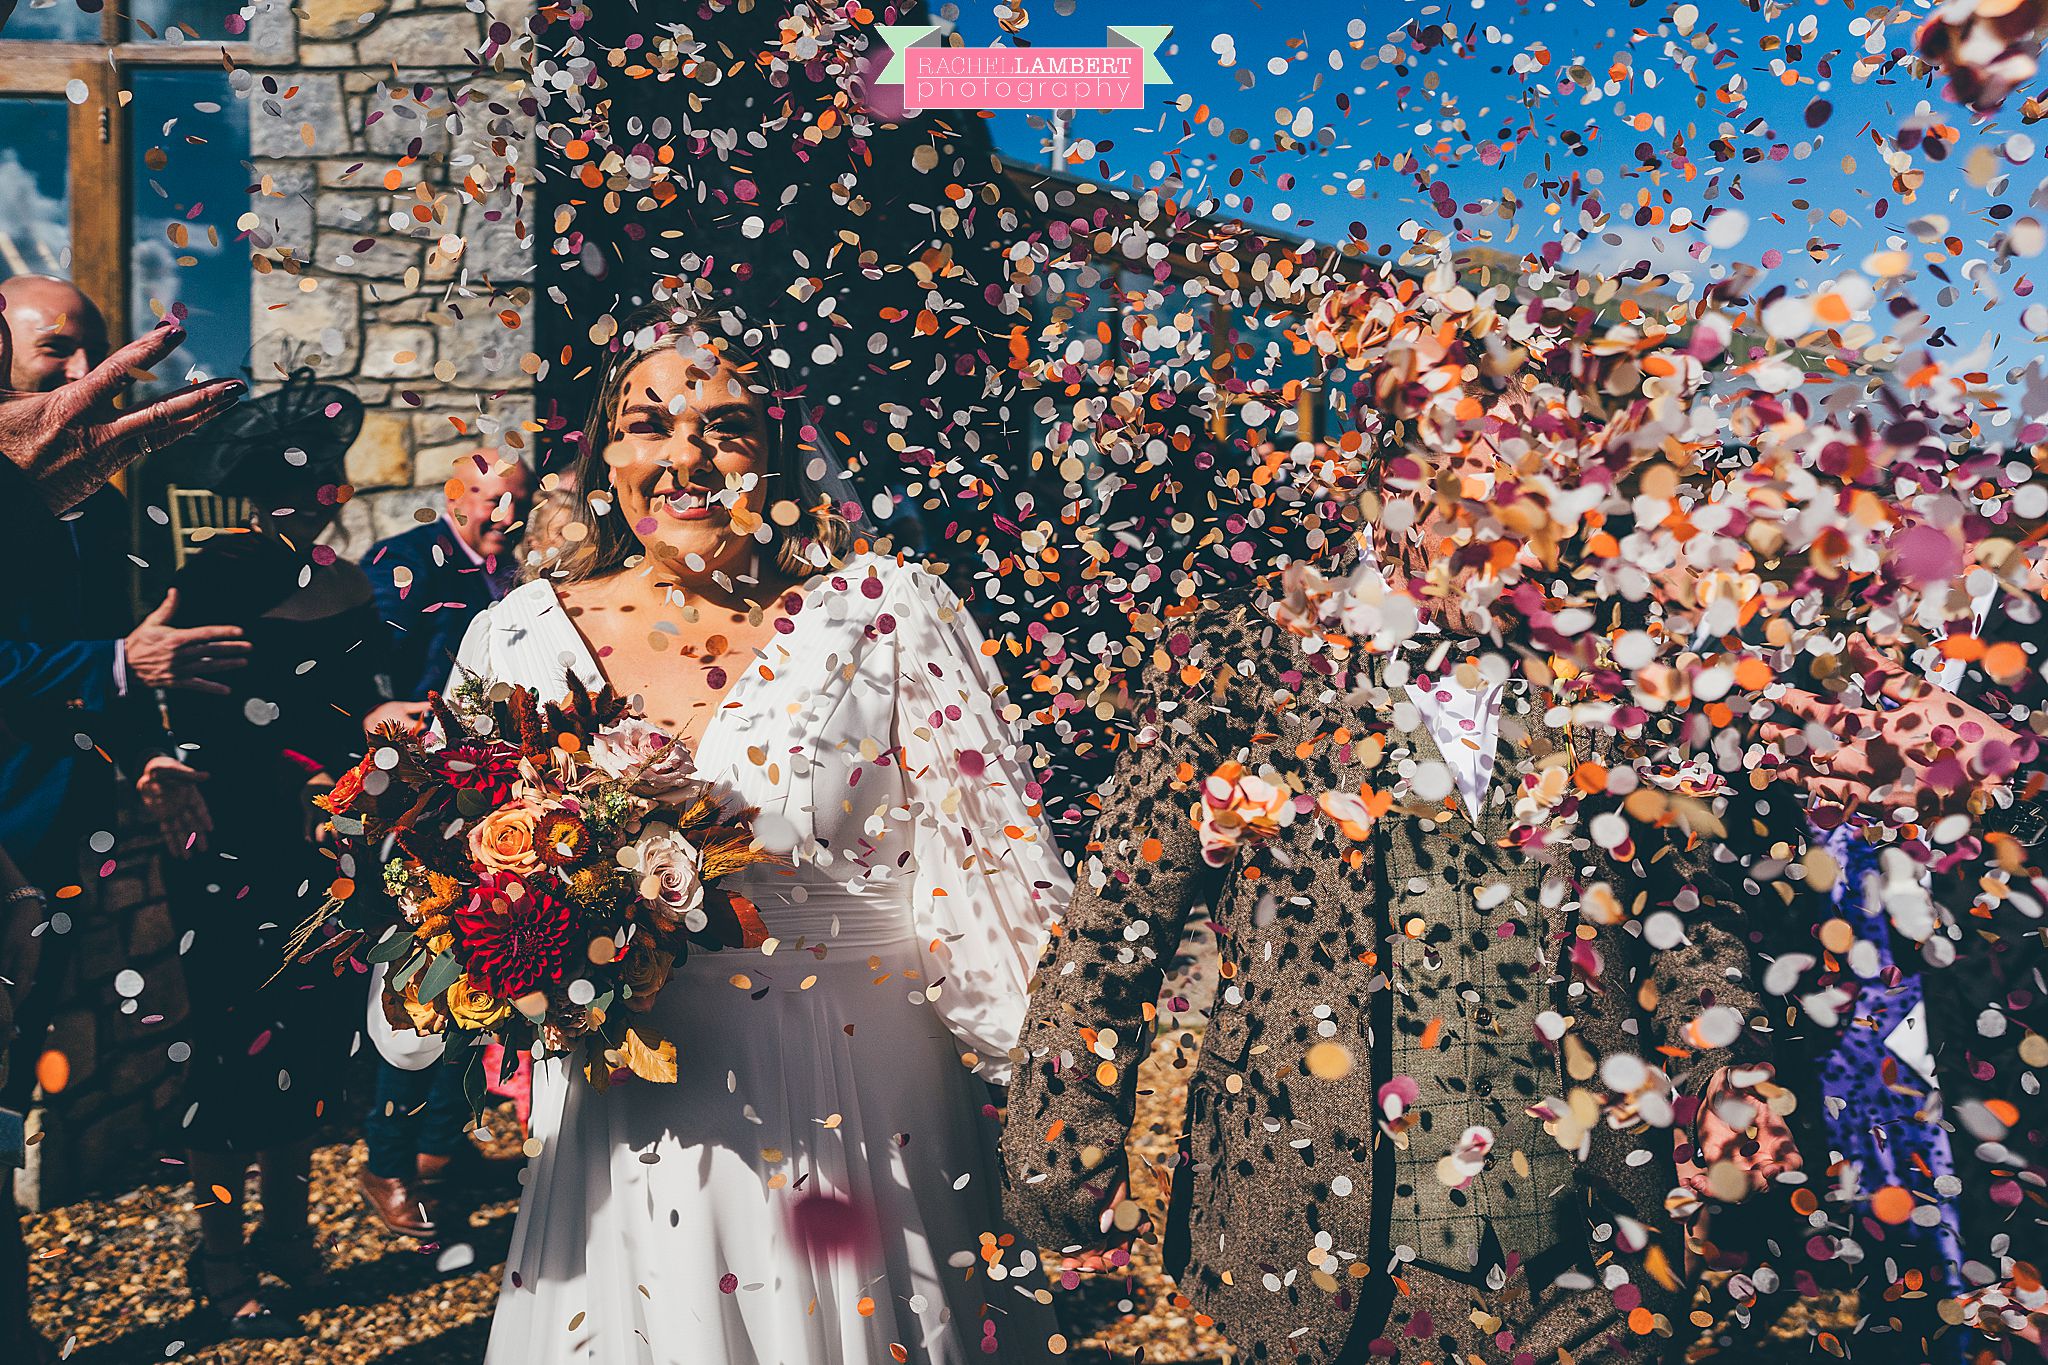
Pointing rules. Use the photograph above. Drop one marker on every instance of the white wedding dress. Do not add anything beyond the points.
(671, 1223)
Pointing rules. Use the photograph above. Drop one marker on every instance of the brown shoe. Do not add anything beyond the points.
(466, 1168)
(397, 1205)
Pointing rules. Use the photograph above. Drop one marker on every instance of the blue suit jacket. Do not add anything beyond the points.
(63, 604)
(428, 621)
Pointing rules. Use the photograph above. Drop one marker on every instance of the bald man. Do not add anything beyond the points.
(433, 579)
(430, 583)
(58, 333)
(60, 435)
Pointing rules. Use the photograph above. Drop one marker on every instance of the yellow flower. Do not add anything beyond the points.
(443, 892)
(407, 1010)
(472, 1009)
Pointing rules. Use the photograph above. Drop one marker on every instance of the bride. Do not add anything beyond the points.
(820, 1184)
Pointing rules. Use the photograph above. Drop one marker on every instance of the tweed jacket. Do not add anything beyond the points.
(1271, 1213)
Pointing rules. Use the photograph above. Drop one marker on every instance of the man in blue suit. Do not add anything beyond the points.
(430, 584)
(432, 581)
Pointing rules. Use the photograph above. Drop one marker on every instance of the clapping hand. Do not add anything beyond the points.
(1919, 746)
(1123, 1221)
(70, 441)
(170, 796)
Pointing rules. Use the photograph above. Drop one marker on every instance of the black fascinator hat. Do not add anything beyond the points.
(279, 448)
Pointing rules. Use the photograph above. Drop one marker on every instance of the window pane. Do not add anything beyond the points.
(189, 137)
(53, 21)
(202, 19)
(35, 187)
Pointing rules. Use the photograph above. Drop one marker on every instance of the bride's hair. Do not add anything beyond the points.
(821, 536)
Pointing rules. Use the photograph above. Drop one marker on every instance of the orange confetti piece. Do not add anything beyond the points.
(1752, 675)
(1891, 1205)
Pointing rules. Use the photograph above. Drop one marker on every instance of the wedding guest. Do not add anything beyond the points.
(430, 583)
(72, 661)
(1905, 741)
(58, 430)
(268, 1033)
(65, 641)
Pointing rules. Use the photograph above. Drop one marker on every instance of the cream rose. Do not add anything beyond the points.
(503, 841)
(646, 758)
(671, 877)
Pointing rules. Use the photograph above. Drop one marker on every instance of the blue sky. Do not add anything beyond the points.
(1808, 123)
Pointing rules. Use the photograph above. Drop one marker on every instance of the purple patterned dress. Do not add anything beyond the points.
(1876, 1100)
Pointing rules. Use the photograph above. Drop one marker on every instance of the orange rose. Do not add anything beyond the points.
(504, 841)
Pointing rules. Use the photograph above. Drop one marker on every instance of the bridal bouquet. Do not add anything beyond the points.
(552, 863)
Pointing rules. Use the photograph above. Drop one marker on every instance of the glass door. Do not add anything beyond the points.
(63, 194)
(35, 185)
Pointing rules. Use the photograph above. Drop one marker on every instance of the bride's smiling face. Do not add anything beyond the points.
(688, 454)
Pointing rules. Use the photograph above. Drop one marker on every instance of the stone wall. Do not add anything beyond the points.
(392, 235)
(115, 1065)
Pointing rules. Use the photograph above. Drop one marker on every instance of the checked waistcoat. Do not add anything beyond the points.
(1473, 954)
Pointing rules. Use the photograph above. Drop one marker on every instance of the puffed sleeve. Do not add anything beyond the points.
(988, 880)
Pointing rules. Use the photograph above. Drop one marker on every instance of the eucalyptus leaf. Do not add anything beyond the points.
(393, 948)
(406, 973)
(443, 974)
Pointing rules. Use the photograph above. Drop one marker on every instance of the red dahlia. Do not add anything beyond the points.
(516, 937)
(489, 769)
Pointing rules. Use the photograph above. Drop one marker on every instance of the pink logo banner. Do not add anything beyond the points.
(1017, 78)
(935, 76)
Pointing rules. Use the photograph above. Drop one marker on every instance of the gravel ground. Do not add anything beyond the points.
(1142, 1310)
(109, 1282)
